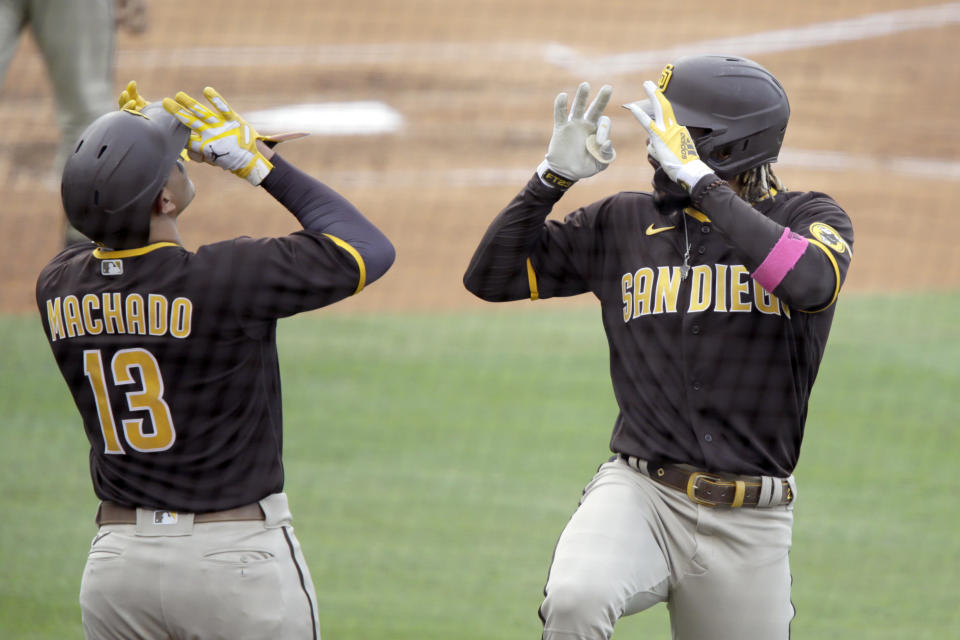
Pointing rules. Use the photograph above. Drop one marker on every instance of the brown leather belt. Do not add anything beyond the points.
(717, 490)
(113, 513)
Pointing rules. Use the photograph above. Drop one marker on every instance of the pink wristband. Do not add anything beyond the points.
(780, 260)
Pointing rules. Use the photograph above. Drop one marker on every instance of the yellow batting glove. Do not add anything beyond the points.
(671, 144)
(220, 136)
(131, 99)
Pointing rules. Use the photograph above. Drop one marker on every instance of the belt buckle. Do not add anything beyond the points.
(692, 487)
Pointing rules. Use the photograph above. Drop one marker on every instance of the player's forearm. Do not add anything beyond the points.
(320, 208)
(810, 280)
(498, 270)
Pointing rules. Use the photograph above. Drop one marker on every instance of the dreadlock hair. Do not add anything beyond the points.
(755, 184)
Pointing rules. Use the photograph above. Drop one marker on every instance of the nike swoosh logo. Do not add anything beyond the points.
(652, 231)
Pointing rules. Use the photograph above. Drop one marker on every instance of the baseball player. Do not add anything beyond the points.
(171, 358)
(717, 290)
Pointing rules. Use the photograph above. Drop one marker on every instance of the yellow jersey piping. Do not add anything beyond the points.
(699, 216)
(356, 256)
(532, 280)
(110, 254)
(836, 272)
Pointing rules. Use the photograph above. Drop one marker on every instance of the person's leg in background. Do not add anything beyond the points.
(13, 19)
(77, 41)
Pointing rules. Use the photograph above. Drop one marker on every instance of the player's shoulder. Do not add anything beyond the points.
(790, 206)
(65, 262)
(631, 199)
(222, 247)
(238, 257)
(73, 251)
(632, 208)
(807, 201)
(622, 206)
(241, 248)
(818, 216)
(243, 244)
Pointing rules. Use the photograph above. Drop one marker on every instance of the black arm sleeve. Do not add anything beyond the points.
(813, 280)
(497, 272)
(320, 208)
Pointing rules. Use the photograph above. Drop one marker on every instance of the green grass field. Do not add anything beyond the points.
(433, 459)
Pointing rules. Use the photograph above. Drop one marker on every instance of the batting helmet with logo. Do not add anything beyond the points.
(118, 168)
(737, 110)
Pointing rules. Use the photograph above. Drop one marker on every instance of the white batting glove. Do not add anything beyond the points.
(220, 136)
(580, 146)
(670, 144)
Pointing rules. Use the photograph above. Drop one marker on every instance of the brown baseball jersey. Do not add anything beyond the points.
(171, 354)
(708, 367)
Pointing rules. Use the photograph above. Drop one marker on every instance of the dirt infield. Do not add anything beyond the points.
(872, 124)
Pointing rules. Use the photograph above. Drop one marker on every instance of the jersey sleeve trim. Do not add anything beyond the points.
(356, 256)
(108, 254)
(836, 273)
(532, 281)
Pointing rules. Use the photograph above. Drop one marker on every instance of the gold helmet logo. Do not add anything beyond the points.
(665, 76)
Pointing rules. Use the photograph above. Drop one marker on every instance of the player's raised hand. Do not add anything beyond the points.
(131, 99)
(580, 146)
(220, 135)
(670, 144)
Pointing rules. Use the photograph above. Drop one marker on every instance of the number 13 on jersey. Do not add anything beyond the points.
(147, 398)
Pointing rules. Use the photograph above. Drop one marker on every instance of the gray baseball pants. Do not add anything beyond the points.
(632, 543)
(183, 580)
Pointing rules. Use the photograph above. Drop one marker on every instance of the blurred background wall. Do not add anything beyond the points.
(430, 114)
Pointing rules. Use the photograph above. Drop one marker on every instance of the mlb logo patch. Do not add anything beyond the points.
(111, 268)
(164, 517)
